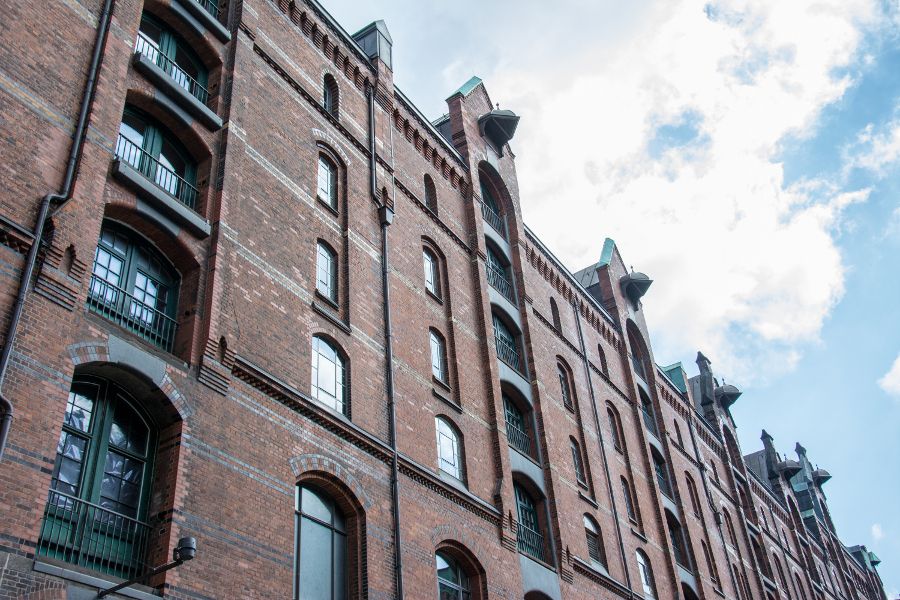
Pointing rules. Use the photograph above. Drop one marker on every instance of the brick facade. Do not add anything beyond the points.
(236, 428)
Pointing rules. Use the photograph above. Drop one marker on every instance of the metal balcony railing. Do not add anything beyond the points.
(518, 438)
(88, 535)
(663, 481)
(148, 48)
(650, 422)
(162, 176)
(124, 309)
(531, 542)
(493, 219)
(498, 280)
(210, 6)
(508, 353)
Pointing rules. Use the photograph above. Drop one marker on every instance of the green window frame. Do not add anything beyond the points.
(99, 493)
(146, 146)
(172, 54)
(133, 285)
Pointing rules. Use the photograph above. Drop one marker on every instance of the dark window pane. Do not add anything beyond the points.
(315, 561)
(314, 505)
(340, 567)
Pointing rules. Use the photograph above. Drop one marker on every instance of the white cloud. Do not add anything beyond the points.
(876, 149)
(746, 267)
(890, 383)
(877, 532)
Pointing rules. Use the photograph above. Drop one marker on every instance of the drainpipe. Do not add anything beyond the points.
(60, 199)
(609, 483)
(386, 216)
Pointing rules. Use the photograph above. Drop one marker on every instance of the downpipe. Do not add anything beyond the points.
(386, 217)
(60, 199)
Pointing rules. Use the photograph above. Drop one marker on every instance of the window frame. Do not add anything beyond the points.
(565, 385)
(324, 250)
(430, 195)
(645, 570)
(341, 403)
(432, 275)
(440, 371)
(462, 590)
(328, 196)
(592, 533)
(337, 531)
(629, 500)
(331, 95)
(446, 428)
(578, 462)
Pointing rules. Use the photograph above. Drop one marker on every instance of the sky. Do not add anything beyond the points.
(746, 156)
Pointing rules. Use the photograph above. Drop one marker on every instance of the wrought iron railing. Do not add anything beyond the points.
(650, 422)
(148, 48)
(493, 219)
(508, 353)
(122, 308)
(662, 479)
(210, 6)
(87, 535)
(162, 176)
(518, 438)
(498, 280)
(531, 542)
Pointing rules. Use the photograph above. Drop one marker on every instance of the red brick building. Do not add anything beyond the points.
(251, 295)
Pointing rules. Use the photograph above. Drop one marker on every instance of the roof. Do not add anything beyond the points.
(468, 87)
(675, 373)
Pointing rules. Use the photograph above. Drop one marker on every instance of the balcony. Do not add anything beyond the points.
(87, 535)
(498, 279)
(493, 219)
(162, 176)
(519, 438)
(508, 353)
(123, 309)
(211, 7)
(650, 422)
(144, 45)
(531, 542)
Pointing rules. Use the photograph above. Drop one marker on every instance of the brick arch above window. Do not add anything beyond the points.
(309, 467)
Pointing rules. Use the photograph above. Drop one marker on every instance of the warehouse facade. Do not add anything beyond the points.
(262, 301)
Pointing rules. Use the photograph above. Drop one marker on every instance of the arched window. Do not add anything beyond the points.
(173, 55)
(432, 273)
(326, 271)
(604, 368)
(498, 274)
(430, 194)
(507, 345)
(322, 550)
(629, 500)
(615, 429)
(637, 356)
(646, 573)
(732, 537)
(662, 473)
(490, 210)
(518, 428)
(596, 551)
(565, 387)
(578, 462)
(449, 449)
(679, 550)
(157, 155)
(649, 414)
(678, 433)
(102, 474)
(133, 285)
(781, 579)
(330, 97)
(453, 583)
(709, 563)
(530, 537)
(329, 385)
(554, 313)
(327, 188)
(739, 584)
(692, 492)
(438, 356)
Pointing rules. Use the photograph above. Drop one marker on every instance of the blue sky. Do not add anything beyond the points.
(747, 157)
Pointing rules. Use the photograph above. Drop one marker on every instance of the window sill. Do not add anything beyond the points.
(442, 396)
(160, 199)
(327, 205)
(434, 296)
(569, 408)
(638, 534)
(329, 301)
(97, 581)
(161, 80)
(588, 499)
(441, 383)
(331, 317)
(201, 17)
